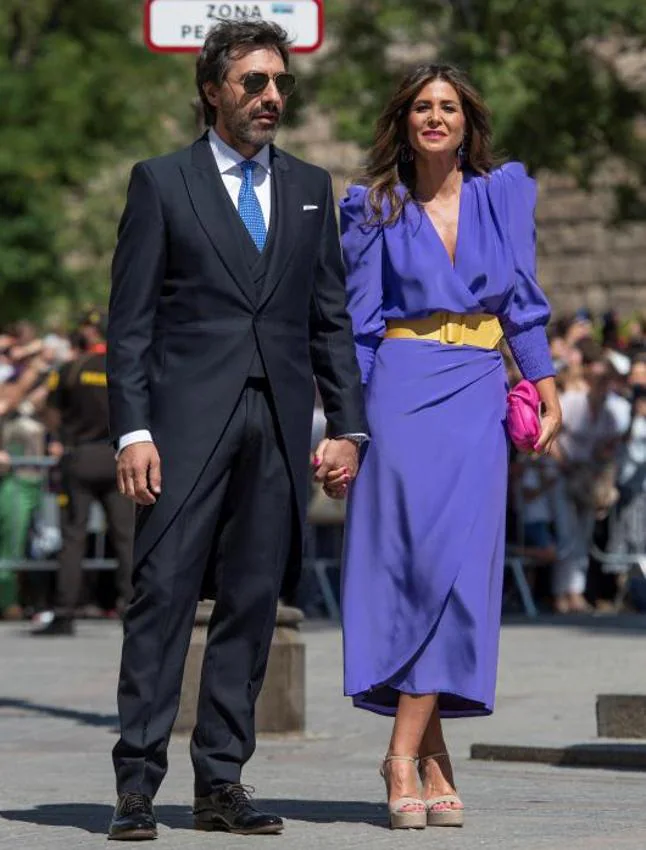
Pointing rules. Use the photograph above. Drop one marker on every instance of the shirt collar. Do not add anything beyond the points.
(226, 158)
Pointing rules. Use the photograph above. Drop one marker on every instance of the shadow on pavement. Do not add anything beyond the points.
(95, 817)
(89, 718)
(92, 817)
(327, 811)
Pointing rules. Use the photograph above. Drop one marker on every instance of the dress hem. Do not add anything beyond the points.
(361, 700)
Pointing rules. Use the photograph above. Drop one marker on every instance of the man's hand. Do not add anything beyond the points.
(139, 473)
(336, 463)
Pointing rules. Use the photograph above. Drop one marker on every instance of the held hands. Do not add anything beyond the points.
(139, 473)
(336, 463)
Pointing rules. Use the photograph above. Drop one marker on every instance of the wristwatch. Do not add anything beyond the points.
(357, 439)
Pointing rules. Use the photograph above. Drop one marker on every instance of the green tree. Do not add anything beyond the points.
(79, 94)
(547, 70)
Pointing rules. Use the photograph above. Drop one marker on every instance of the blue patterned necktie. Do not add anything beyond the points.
(249, 205)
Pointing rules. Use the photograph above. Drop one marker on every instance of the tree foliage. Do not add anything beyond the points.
(79, 93)
(81, 98)
(548, 71)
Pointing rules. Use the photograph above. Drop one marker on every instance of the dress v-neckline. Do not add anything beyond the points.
(452, 260)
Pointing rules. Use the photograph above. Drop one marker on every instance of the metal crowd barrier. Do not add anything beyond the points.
(48, 513)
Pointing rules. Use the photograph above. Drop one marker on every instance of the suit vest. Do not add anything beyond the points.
(258, 263)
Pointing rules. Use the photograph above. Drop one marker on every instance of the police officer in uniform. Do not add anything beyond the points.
(77, 413)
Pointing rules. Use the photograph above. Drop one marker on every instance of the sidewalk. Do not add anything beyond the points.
(57, 726)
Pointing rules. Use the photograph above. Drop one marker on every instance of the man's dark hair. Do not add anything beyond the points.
(232, 40)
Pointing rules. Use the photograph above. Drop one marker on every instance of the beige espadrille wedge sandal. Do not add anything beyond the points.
(405, 812)
(441, 816)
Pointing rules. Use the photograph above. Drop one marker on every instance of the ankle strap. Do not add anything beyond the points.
(434, 756)
(414, 759)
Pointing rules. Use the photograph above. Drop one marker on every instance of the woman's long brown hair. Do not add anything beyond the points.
(386, 168)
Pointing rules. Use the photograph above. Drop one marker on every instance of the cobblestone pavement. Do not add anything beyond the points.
(57, 726)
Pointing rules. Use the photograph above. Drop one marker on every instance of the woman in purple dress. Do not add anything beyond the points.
(440, 255)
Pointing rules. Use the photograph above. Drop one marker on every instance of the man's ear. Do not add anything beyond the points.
(212, 93)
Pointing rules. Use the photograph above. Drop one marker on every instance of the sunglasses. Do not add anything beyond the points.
(257, 81)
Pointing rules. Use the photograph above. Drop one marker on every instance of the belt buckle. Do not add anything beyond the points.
(452, 332)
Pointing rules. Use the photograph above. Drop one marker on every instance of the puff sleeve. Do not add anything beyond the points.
(362, 245)
(527, 310)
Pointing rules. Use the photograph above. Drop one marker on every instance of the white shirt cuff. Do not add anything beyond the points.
(133, 437)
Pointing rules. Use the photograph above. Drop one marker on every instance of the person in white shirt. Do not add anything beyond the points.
(593, 423)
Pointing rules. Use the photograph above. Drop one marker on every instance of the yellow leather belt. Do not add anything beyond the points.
(478, 329)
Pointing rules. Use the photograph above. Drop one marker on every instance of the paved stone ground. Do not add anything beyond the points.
(57, 726)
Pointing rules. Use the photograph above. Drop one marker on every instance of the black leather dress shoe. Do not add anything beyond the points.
(133, 819)
(229, 808)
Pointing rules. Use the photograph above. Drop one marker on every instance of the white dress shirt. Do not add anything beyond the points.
(228, 162)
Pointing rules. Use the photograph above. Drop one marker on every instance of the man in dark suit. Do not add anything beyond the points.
(227, 297)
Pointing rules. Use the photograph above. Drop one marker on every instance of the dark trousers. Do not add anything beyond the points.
(237, 522)
(89, 474)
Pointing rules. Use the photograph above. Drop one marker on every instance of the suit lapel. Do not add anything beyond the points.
(286, 221)
(215, 212)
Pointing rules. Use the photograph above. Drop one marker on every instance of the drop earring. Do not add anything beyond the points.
(462, 154)
(406, 153)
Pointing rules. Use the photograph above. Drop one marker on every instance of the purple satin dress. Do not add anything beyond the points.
(425, 533)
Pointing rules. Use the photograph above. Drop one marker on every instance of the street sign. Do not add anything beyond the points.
(179, 26)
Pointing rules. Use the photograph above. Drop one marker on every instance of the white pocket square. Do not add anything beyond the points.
(307, 207)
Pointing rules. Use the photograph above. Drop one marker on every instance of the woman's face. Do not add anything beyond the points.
(436, 120)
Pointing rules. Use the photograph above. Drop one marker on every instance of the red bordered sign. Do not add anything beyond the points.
(180, 26)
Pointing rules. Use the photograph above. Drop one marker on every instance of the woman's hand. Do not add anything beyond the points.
(336, 462)
(551, 418)
(550, 427)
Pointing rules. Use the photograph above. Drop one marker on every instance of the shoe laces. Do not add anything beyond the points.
(239, 795)
(134, 802)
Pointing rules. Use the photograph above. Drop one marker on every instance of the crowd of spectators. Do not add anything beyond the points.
(581, 512)
(29, 491)
(578, 516)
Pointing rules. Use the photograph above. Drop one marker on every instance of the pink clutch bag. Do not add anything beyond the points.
(523, 417)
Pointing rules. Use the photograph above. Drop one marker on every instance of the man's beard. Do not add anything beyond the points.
(241, 125)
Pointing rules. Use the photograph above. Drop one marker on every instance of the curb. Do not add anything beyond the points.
(618, 756)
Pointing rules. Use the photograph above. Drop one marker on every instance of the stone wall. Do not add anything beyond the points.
(582, 259)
